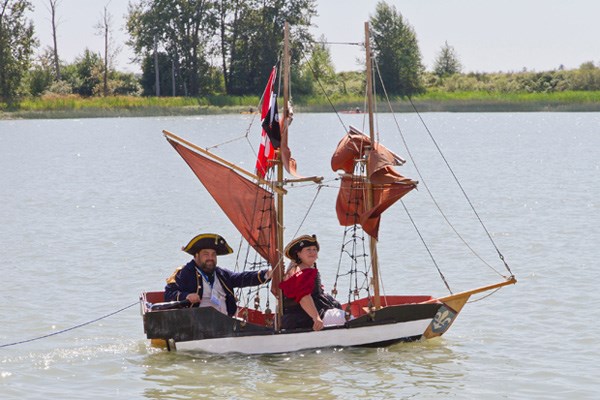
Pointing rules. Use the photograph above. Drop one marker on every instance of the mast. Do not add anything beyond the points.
(284, 125)
(372, 241)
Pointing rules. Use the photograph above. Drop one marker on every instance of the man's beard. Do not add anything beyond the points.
(210, 267)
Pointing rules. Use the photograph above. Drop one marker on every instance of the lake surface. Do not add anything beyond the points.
(95, 211)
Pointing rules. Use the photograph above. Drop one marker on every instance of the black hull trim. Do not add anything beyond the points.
(189, 324)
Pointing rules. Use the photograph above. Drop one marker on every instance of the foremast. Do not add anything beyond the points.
(372, 240)
(455, 301)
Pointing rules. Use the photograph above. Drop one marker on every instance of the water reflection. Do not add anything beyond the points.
(389, 372)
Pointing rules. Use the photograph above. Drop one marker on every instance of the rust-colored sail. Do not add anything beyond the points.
(248, 206)
(352, 200)
(387, 184)
(380, 167)
(351, 147)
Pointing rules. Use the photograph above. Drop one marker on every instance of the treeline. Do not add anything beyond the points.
(227, 48)
(185, 48)
(585, 78)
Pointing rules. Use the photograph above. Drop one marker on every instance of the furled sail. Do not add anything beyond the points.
(248, 206)
(387, 184)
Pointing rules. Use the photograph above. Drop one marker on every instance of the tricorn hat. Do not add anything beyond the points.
(208, 241)
(292, 249)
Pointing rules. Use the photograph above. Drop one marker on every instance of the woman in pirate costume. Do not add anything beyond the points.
(305, 304)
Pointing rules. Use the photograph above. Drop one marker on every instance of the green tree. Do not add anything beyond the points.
(124, 83)
(85, 74)
(588, 65)
(16, 46)
(396, 51)
(245, 35)
(587, 77)
(251, 37)
(447, 62)
(229, 13)
(41, 74)
(317, 71)
(183, 29)
(148, 79)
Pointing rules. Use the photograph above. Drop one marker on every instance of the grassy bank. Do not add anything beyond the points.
(129, 106)
(480, 102)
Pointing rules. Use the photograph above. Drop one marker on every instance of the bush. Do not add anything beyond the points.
(59, 88)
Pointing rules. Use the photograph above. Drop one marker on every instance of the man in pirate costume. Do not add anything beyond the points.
(203, 283)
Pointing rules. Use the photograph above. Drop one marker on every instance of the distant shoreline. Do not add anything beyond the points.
(189, 111)
(432, 102)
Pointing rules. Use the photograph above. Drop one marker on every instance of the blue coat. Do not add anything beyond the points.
(186, 280)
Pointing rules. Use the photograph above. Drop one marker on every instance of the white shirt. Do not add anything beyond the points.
(213, 296)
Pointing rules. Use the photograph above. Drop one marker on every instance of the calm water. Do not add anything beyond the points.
(94, 211)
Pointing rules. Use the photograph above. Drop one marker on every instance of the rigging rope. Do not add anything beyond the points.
(261, 205)
(258, 107)
(71, 328)
(353, 253)
(345, 43)
(429, 192)
(308, 211)
(459, 184)
(426, 247)
(324, 91)
(376, 71)
(244, 136)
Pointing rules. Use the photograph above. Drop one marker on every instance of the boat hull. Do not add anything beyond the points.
(283, 342)
(206, 329)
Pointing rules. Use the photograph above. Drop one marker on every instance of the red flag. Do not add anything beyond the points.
(271, 136)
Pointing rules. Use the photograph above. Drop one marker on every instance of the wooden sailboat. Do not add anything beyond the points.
(254, 204)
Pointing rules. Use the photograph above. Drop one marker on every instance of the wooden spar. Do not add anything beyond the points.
(223, 161)
(510, 281)
(372, 241)
(286, 88)
(315, 179)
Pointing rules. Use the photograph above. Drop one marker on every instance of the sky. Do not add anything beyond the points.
(488, 36)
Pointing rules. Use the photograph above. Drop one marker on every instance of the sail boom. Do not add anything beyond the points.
(315, 179)
(215, 157)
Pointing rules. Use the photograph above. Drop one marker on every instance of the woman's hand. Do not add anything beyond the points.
(317, 324)
(308, 305)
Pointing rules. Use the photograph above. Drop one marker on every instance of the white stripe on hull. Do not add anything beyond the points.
(287, 342)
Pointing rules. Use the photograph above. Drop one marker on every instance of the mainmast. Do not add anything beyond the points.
(280, 167)
(372, 240)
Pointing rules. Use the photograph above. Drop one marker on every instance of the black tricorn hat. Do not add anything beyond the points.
(207, 241)
(293, 247)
